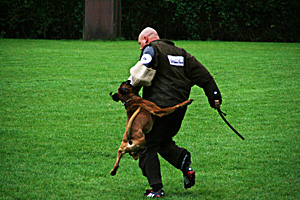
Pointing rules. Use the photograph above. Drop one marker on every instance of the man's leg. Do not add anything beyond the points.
(168, 149)
(159, 140)
(177, 156)
(163, 130)
(172, 153)
(150, 166)
(148, 160)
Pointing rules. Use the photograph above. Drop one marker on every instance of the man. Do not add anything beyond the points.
(167, 73)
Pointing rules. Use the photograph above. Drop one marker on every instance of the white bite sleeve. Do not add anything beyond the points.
(141, 75)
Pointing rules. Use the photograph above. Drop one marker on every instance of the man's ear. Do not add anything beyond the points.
(146, 39)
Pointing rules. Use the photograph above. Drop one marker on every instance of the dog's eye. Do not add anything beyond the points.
(123, 90)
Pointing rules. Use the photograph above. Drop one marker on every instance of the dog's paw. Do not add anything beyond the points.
(113, 172)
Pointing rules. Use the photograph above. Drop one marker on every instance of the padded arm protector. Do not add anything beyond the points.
(141, 75)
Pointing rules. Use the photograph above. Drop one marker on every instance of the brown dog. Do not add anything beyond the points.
(140, 119)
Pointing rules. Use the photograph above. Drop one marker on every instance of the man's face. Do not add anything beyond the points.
(143, 41)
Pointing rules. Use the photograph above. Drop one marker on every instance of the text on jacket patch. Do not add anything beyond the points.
(176, 60)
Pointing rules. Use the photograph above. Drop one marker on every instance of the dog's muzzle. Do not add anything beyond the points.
(115, 96)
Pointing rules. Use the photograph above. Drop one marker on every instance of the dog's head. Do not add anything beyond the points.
(125, 92)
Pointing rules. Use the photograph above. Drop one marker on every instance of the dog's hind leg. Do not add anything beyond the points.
(116, 166)
(124, 144)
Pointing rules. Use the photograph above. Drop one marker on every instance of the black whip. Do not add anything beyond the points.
(222, 115)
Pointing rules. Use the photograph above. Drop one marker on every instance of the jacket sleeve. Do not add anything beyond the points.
(201, 77)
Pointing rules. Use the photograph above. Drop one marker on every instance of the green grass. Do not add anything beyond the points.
(60, 130)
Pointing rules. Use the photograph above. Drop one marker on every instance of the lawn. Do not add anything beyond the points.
(60, 129)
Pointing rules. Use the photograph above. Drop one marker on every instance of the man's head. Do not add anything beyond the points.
(146, 36)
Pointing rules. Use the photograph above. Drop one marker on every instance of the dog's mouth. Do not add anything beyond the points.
(115, 96)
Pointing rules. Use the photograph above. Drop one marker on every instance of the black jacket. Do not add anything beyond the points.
(176, 73)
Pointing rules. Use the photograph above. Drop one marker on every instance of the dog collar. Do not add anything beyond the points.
(124, 103)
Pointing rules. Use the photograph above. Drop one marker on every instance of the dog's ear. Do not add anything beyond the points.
(115, 96)
(128, 82)
(123, 91)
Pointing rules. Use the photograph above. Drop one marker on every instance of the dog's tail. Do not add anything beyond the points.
(129, 125)
(169, 110)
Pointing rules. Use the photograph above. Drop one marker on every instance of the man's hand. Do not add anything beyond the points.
(217, 104)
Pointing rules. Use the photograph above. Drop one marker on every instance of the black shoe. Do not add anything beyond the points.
(150, 193)
(189, 178)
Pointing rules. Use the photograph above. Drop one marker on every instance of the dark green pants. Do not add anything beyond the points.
(159, 140)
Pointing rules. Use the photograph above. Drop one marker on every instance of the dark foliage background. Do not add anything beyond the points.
(48, 19)
(239, 20)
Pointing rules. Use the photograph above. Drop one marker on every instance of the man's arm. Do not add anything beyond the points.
(147, 56)
(142, 73)
(201, 77)
(213, 93)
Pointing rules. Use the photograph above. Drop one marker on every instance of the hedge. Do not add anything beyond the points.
(239, 20)
(49, 19)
